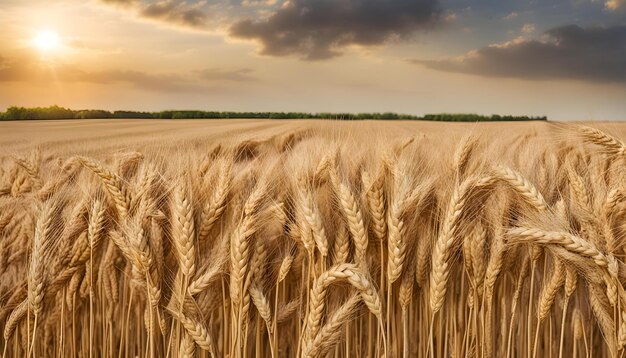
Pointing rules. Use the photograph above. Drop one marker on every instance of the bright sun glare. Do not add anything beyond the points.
(47, 40)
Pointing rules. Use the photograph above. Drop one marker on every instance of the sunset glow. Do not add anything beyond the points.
(565, 60)
(47, 41)
(313, 178)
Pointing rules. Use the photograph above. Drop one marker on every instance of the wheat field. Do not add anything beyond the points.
(242, 238)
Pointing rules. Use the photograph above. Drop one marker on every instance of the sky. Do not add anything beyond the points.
(562, 58)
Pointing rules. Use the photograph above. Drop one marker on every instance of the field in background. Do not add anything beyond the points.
(312, 238)
(59, 135)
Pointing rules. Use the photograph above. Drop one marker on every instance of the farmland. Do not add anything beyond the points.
(312, 238)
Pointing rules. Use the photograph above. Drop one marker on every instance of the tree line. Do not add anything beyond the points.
(468, 117)
(56, 112)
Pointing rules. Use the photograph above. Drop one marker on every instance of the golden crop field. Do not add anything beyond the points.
(244, 238)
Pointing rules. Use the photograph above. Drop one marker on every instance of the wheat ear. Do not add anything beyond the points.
(550, 289)
(183, 231)
(95, 228)
(41, 243)
(240, 243)
(215, 206)
(375, 196)
(568, 241)
(356, 225)
(341, 245)
(329, 335)
(443, 246)
(285, 266)
(31, 169)
(263, 307)
(346, 272)
(396, 230)
(285, 311)
(312, 219)
(463, 155)
(524, 188)
(211, 273)
(14, 319)
(112, 182)
(198, 332)
(609, 144)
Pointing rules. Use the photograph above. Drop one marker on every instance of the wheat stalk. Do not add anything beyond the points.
(167, 254)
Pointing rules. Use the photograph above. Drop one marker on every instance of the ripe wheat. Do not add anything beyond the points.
(305, 244)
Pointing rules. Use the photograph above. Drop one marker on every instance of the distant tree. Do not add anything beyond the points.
(56, 112)
(92, 114)
(133, 115)
(52, 112)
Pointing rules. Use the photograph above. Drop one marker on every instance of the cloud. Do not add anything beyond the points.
(120, 2)
(173, 12)
(28, 70)
(451, 17)
(528, 28)
(511, 16)
(321, 29)
(596, 54)
(614, 5)
(35, 73)
(143, 80)
(218, 74)
(258, 2)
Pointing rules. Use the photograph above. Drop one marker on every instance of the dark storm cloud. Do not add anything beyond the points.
(320, 29)
(596, 54)
(174, 12)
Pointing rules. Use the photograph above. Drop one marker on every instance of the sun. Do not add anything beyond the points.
(47, 41)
